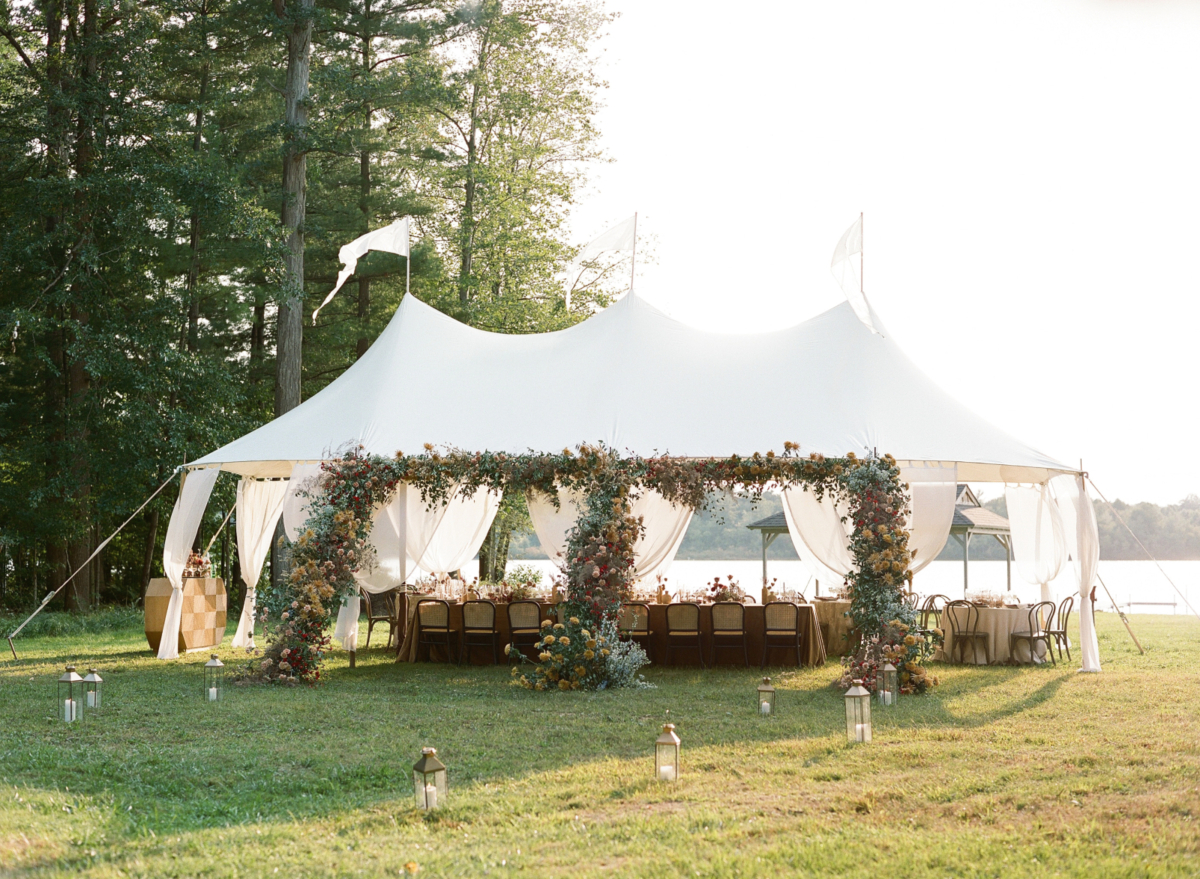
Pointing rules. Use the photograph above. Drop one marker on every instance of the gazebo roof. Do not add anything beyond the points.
(776, 523)
(969, 515)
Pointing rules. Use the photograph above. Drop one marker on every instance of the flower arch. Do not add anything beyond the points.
(598, 570)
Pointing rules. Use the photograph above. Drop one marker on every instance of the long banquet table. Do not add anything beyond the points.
(812, 647)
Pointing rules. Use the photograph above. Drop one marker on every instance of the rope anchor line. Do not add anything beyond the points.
(50, 597)
(1149, 555)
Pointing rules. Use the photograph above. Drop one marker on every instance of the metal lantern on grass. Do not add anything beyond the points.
(91, 689)
(858, 713)
(429, 780)
(889, 684)
(666, 753)
(766, 698)
(214, 680)
(70, 696)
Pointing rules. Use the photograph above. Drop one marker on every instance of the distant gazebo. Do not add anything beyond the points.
(970, 518)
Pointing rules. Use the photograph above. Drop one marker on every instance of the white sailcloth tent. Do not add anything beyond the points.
(643, 383)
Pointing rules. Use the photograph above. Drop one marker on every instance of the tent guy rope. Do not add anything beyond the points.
(217, 533)
(51, 595)
(1121, 614)
(1149, 555)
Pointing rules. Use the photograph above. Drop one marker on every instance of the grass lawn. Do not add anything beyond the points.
(1000, 772)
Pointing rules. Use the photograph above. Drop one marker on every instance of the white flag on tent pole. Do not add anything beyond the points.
(621, 238)
(392, 238)
(848, 271)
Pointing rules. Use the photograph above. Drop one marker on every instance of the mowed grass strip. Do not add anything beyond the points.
(998, 772)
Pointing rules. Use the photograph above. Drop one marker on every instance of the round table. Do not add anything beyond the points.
(999, 623)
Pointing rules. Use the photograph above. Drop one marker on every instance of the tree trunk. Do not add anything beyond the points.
(466, 229)
(258, 340)
(193, 276)
(289, 336)
(148, 554)
(364, 193)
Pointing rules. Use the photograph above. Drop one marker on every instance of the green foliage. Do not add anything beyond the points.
(141, 242)
(122, 620)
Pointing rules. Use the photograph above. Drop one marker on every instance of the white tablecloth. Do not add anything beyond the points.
(999, 623)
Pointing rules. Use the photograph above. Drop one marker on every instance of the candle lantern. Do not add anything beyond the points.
(429, 780)
(858, 713)
(91, 689)
(214, 680)
(70, 696)
(889, 687)
(666, 753)
(766, 698)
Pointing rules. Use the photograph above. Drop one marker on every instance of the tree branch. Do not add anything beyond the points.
(12, 40)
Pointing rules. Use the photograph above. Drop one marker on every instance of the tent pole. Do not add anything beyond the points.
(1121, 614)
(633, 257)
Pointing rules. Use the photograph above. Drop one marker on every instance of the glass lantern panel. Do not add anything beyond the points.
(666, 762)
(425, 791)
(212, 684)
(439, 781)
(858, 719)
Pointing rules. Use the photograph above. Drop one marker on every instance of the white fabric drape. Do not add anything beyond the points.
(819, 573)
(552, 525)
(177, 545)
(933, 487)
(305, 477)
(346, 629)
(259, 506)
(437, 540)
(459, 527)
(1038, 540)
(818, 525)
(666, 525)
(389, 570)
(1083, 543)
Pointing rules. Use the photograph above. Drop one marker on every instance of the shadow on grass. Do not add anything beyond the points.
(160, 760)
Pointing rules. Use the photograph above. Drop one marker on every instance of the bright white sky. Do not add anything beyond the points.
(1030, 175)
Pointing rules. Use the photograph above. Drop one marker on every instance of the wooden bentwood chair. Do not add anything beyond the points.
(1036, 630)
(1059, 631)
(932, 610)
(963, 618)
(434, 629)
(524, 624)
(634, 624)
(479, 629)
(683, 630)
(781, 625)
(729, 628)
(381, 607)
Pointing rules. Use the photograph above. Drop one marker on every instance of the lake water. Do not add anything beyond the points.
(1127, 580)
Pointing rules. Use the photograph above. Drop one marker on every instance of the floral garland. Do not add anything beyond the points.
(598, 570)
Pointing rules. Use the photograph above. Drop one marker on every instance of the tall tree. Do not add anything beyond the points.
(289, 325)
(517, 136)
